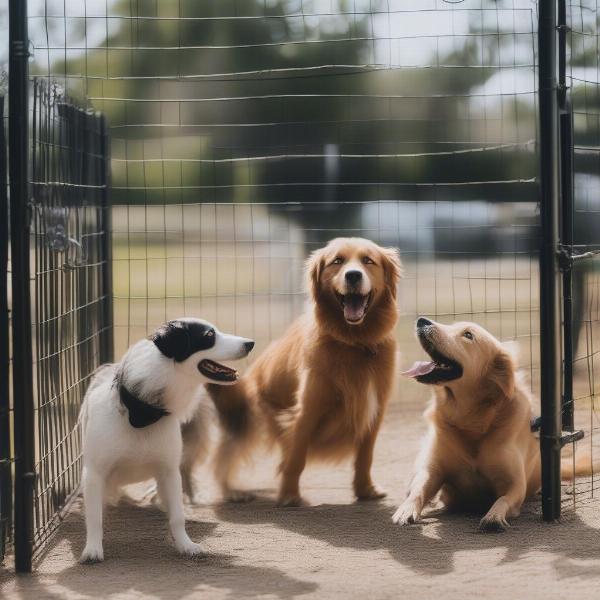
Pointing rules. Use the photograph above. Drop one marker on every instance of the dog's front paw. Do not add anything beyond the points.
(492, 523)
(239, 496)
(290, 501)
(408, 512)
(190, 549)
(195, 500)
(91, 555)
(495, 519)
(371, 492)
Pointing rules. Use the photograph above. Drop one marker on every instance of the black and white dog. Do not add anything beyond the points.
(132, 415)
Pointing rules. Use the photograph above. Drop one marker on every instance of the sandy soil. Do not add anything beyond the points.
(335, 548)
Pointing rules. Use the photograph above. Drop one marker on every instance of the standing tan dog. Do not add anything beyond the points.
(480, 450)
(322, 389)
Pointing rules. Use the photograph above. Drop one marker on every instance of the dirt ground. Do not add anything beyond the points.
(335, 548)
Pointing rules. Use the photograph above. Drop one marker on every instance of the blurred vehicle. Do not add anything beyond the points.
(453, 227)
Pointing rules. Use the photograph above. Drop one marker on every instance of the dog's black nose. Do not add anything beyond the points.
(353, 277)
(248, 346)
(423, 322)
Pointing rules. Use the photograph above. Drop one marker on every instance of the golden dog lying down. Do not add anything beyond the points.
(479, 451)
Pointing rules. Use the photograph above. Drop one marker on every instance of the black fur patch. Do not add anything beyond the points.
(180, 339)
(141, 414)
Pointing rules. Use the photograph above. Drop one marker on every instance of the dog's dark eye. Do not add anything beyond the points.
(368, 261)
(338, 261)
(210, 333)
(468, 335)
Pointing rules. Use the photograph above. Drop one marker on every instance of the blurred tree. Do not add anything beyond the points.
(298, 84)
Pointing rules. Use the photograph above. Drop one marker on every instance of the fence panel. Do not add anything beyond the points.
(583, 85)
(68, 257)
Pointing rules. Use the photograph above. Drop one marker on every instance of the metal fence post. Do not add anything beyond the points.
(6, 505)
(566, 197)
(550, 359)
(21, 302)
(107, 347)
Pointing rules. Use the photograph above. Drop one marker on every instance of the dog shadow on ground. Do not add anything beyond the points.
(139, 559)
(429, 548)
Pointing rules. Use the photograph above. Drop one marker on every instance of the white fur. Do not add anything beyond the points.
(117, 454)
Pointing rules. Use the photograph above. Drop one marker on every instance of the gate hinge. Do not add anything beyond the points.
(566, 258)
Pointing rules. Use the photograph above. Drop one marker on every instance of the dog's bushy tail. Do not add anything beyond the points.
(233, 407)
(582, 467)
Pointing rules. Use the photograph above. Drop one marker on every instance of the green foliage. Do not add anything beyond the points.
(327, 89)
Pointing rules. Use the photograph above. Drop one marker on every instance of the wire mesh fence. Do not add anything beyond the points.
(583, 20)
(313, 119)
(241, 265)
(69, 328)
(245, 134)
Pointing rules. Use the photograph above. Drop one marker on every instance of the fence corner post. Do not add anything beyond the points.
(550, 317)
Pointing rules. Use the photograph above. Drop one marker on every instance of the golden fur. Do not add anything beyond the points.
(321, 390)
(479, 452)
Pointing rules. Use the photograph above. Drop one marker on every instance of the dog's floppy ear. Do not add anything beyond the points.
(502, 373)
(392, 268)
(314, 267)
(173, 340)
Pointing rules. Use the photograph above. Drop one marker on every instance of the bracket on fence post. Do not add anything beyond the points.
(550, 317)
(18, 121)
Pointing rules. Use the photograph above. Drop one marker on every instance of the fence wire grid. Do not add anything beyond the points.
(583, 79)
(69, 219)
(246, 133)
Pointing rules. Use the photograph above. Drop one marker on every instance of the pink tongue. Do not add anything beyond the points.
(354, 307)
(421, 367)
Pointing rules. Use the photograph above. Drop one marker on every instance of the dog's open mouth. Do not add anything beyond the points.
(440, 369)
(355, 306)
(217, 372)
